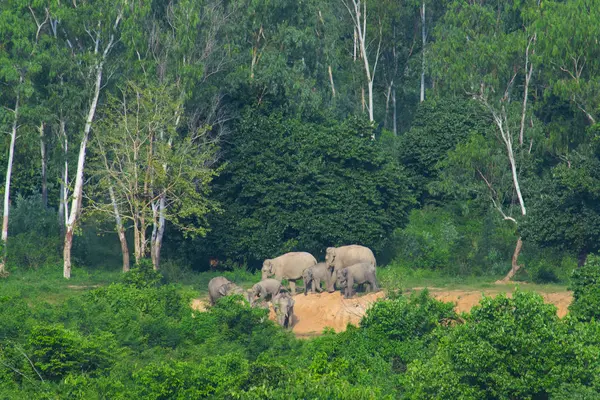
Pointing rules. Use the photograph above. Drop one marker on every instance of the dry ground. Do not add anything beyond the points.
(330, 310)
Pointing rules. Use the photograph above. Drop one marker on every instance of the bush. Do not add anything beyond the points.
(585, 284)
(406, 318)
(143, 275)
(508, 348)
(56, 352)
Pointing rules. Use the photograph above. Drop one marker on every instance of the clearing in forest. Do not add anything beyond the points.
(315, 312)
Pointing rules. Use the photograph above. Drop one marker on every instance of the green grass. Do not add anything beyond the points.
(48, 285)
(395, 277)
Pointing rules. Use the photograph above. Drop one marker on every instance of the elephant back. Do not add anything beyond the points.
(346, 256)
(292, 265)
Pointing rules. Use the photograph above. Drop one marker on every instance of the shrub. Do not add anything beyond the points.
(143, 275)
(585, 284)
(56, 351)
(508, 348)
(406, 318)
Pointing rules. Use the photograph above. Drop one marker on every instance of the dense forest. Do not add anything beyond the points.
(459, 137)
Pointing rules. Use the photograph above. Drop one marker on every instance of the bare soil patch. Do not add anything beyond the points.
(315, 312)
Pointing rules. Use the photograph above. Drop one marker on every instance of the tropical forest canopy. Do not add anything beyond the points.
(457, 137)
(450, 135)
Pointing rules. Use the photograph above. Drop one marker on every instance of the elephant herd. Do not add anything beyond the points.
(343, 267)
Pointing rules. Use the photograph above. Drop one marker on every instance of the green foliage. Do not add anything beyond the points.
(57, 352)
(26, 247)
(143, 275)
(439, 125)
(507, 348)
(564, 211)
(585, 284)
(437, 238)
(406, 318)
(304, 186)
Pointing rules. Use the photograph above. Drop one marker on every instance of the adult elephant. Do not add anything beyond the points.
(358, 273)
(345, 256)
(220, 287)
(288, 266)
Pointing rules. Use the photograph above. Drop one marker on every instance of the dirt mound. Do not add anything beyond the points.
(329, 310)
(315, 312)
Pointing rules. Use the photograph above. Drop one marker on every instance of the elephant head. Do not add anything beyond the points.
(284, 309)
(307, 277)
(267, 269)
(330, 257)
(342, 278)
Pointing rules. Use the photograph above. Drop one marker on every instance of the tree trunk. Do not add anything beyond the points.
(78, 190)
(161, 231)
(395, 129)
(424, 38)
(120, 229)
(63, 207)
(331, 82)
(11, 153)
(44, 160)
(515, 266)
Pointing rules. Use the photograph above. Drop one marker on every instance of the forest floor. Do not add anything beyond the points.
(315, 312)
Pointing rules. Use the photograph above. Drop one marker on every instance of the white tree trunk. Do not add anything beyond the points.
(78, 189)
(120, 229)
(44, 168)
(359, 18)
(424, 38)
(11, 153)
(395, 129)
(64, 206)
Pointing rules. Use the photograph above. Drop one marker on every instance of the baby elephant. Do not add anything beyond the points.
(283, 303)
(220, 287)
(314, 275)
(358, 273)
(265, 289)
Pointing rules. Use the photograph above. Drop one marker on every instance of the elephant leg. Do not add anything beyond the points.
(374, 285)
(330, 286)
(317, 286)
(292, 286)
(350, 285)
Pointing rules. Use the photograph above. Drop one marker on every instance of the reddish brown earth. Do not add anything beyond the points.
(315, 312)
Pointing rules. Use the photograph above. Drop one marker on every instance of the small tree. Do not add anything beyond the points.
(151, 172)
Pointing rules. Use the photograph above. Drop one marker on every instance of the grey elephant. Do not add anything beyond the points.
(341, 257)
(283, 304)
(313, 276)
(264, 290)
(288, 266)
(358, 273)
(220, 287)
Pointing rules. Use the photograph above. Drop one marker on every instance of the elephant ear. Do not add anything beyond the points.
(223, 290)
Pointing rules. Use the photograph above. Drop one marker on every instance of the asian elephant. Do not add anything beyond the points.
(314, 275)
(283, 303)
(288, 266)
(220, 287)
(345, 256)
(358, 273)
(265, 290)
